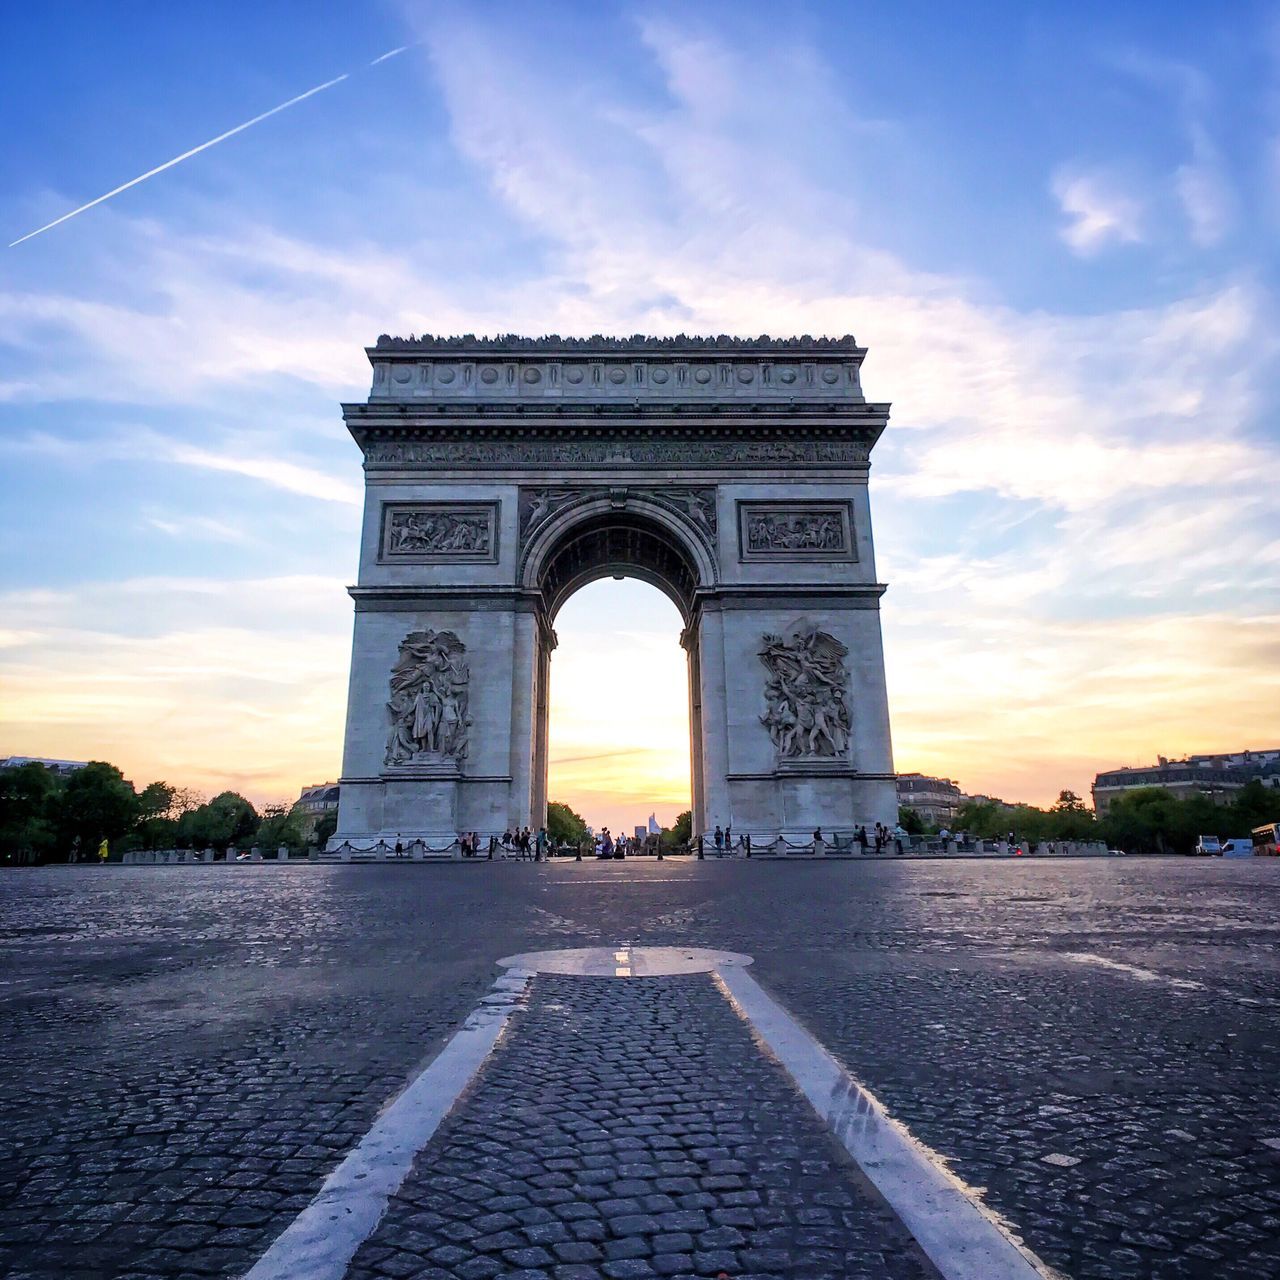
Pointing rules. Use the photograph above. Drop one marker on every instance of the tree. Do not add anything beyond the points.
(680, 832)
(28, 809)
(564, 826)
(1255, 804)
(156, 826)
(982, 818)
(281, 825)
(226, 818)
(1146, 820)
(910, 821)
(98, 803)
(325, 828)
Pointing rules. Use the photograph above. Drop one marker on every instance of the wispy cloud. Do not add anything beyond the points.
(1200, 183)
(1099, 212)
(289, 476)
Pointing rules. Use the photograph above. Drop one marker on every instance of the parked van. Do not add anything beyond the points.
(1208, 847)
(1241, 848)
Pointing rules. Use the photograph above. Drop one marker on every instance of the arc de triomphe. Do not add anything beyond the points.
(503, 474)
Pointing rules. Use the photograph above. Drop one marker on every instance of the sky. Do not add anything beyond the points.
(1053, 225)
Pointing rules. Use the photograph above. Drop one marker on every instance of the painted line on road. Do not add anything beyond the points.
(964, 1239)
(321, 1241)
(1132, 970)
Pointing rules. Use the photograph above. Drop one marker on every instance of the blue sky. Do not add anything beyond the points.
(1053, 225)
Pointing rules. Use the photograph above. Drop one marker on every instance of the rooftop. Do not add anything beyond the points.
(514, 343)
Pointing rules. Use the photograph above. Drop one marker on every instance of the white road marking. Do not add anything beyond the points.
(962, 1237)
(321, 1241)
(1133, 970)
(644, 962)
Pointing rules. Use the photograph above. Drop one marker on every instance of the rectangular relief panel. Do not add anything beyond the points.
(432, 532)
(795, 531)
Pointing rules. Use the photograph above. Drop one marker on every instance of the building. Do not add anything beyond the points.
(1218, 777)
(503, 474)
(63, 768)
(934, 799)
(315, 801)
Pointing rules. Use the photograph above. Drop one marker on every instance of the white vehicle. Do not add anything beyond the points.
(1240, 848)
(1208, 847)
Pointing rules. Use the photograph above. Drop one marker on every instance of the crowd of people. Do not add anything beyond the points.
(607, 845)
(523, 843)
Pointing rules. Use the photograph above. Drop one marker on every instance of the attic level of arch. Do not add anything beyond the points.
(714, 376)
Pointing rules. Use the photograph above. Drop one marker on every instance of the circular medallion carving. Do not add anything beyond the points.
(659, 376)
(402, 374)
(573, 374)
(533, 375)
(702, 375)
(446, 376)
(617, 375)
(787, 375)
(489, 375)
(829, 376)
(745, 374)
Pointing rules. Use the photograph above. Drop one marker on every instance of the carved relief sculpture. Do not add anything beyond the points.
(698, 505)
(564, 455)
(434, 532)
(537, 505)
(806, 699)
(799, 531)
(794, 531)
(429, 695)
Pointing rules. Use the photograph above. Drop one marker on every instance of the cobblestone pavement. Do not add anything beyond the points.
(633, 1129)
(188, 1051)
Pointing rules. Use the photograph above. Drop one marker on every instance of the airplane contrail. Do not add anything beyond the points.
(204, 146)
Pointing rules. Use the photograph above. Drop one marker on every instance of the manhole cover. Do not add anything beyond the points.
(624, 961)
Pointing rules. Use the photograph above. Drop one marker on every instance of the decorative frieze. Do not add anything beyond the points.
(795, 531)
(429, 697)
(432, 531)
(806, 695)
(560, 455)
(696, 503)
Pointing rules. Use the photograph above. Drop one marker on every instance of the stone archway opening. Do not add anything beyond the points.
(618, 706)
(621, 545)
(638, 550)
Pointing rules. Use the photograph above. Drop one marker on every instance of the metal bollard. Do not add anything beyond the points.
(701, 855)
(748, 843)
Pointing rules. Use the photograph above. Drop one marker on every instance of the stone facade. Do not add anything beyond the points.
(503, 474)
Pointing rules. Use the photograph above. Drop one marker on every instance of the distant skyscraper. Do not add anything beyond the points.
(654, 829)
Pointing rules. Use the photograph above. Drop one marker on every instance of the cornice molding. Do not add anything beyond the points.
(602, 344)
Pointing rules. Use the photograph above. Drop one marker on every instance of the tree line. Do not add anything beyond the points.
(1145, 820)
(50, 817)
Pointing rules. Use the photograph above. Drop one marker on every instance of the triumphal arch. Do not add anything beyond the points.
(502, 474)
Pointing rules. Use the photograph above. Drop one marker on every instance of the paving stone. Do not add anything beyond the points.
(549, 1073)
(195, 1026)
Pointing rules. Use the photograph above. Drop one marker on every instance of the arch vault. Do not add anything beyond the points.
(503, 474)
